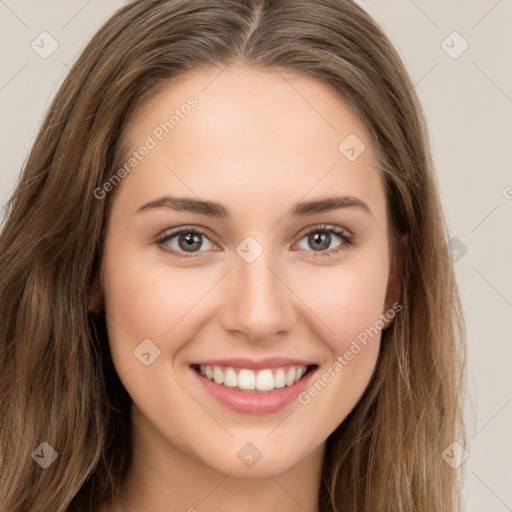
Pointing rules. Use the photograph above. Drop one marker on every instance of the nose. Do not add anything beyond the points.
(259, 302)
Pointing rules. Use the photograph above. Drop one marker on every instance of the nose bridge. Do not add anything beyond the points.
(259, 303)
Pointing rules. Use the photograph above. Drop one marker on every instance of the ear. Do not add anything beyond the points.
(95, 296)
(396, 275)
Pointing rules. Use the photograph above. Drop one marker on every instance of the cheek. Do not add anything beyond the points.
(346, 300)
(349, 304)
(147, 299)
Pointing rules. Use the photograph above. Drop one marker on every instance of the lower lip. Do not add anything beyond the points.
(254, 403)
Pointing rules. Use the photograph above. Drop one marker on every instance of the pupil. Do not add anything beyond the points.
(189, 240)
(323, 239)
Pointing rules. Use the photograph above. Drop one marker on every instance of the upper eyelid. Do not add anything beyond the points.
(175, 231)
(320, 227)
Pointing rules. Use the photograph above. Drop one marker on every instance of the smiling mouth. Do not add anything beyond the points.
(254, 381)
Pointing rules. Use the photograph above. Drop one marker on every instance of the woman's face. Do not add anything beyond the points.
(210, 328)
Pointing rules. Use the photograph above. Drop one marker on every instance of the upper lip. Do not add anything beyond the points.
(255, 364)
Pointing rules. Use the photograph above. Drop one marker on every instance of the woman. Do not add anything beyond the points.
(173, 336)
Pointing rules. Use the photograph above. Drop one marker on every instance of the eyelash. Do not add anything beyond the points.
(348, 240)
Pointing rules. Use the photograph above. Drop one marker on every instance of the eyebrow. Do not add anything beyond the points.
(216, 210)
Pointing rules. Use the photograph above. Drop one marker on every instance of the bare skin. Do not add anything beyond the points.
(258, 146)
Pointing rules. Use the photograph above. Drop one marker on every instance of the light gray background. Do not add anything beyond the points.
(468, 103)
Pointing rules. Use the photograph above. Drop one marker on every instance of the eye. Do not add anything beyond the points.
(321, 237)
(185, 242)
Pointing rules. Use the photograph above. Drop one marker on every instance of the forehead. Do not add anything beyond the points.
(250, 132)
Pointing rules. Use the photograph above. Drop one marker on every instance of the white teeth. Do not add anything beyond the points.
(290, 376)
(245, 379)
(265, 380)
(230, 378)
(218, 375)
(279, 379)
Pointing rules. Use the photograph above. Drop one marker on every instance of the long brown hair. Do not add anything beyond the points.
(57, 381)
